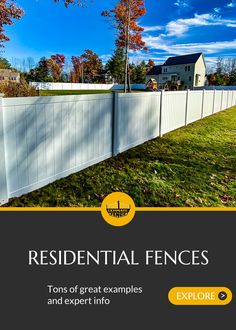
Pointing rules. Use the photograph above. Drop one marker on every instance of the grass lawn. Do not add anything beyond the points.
(70, 92)
(81, 92)
(192, 166)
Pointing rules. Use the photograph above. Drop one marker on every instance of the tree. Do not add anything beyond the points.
(55, 65)
(30, 63)
(92, 66)
(149, 65)
(125, 16)
(77, 73)
(8, 12)
(40, 72)
(140, 73)
(220, 66)
(80, 3)
(115, 65)
(4, 64)
(224, 74)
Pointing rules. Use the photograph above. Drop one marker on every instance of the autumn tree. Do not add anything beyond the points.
(125, 16)
(92, 66)
(149, 65)
(9, 11)
(56, 64)
(77, 72)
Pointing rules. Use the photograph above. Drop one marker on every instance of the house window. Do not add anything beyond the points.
(190, 78)
(164, 78)
(189, 68)
(186, 68)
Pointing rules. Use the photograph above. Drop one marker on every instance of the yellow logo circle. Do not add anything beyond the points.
(118, 209)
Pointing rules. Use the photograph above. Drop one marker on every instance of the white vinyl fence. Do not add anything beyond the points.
(43, 139)
(78, 86)
(211, 88)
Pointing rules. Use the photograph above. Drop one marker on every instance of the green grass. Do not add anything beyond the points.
(81, 92)
(192, 166)
(70, 92)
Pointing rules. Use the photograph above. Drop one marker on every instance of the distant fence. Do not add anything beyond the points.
(218, 88)
(43, 139)
(76, 86)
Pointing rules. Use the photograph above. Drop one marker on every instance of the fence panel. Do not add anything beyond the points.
(231, 98)
(137, 120)
(194, 111)
(45, 138)
(234, 98)
(3, 174)
(208, 103)
(50, 137)
(217, 101)
(173, 111)
(224, 100)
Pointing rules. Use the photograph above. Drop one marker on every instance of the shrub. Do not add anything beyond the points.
(13, 89)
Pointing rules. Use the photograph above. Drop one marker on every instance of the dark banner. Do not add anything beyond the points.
(72, 270)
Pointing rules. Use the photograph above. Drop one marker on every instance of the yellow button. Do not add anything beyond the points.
(200, 296)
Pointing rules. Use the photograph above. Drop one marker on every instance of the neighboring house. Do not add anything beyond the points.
(180, 72)
(9, 75)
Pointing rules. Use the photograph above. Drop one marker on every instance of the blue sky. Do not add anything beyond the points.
(172, 27)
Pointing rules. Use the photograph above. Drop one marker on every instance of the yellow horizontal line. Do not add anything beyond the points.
(50, 209)
(188, 209)
(98, 209)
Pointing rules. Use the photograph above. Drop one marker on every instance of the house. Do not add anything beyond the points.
(180, 72)
(7, 75)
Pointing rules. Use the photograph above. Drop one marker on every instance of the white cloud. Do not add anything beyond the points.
(217, 10)
(182, 3)
(152, 28)
(186, 48)
(231, 4)
(181, 26)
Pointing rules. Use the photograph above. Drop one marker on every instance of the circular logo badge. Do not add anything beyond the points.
(118, 209)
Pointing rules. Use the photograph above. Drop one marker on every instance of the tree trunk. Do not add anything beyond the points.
(127, 76)
(126, 69)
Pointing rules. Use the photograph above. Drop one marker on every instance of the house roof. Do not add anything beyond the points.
(155, 70)
(184, 59)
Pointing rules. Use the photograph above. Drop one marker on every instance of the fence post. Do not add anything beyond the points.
(186, 110)
(3, 173)
(115, 123)
(161, 112)
(203, 100)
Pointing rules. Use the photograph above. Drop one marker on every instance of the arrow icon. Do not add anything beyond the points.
(222, 295)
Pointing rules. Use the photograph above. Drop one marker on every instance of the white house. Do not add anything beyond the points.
(180, 72)
(9, 75)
